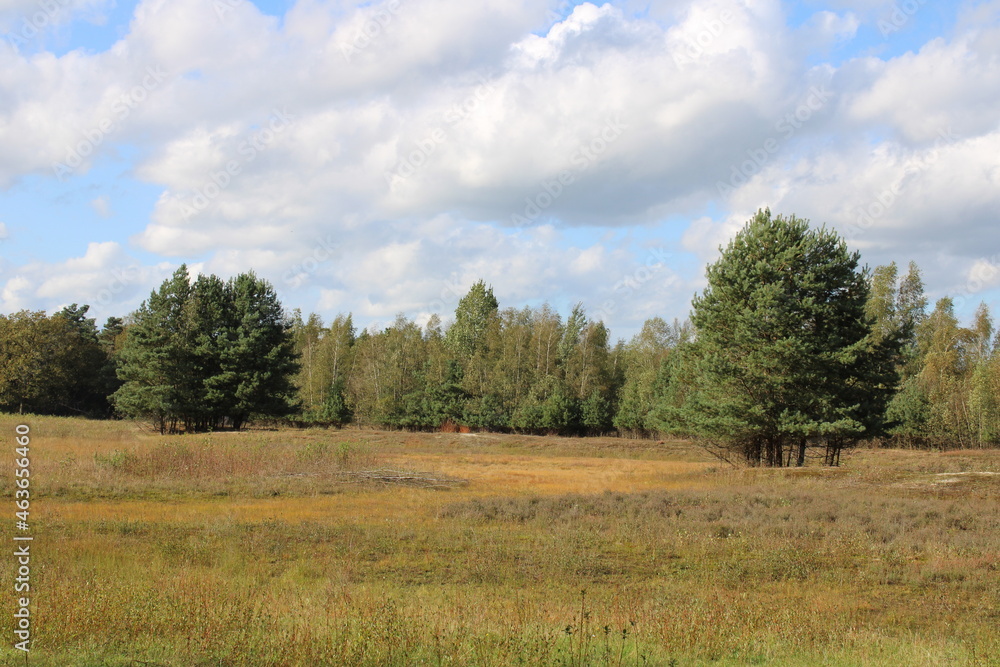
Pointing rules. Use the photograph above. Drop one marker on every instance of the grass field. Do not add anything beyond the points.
(276, 548)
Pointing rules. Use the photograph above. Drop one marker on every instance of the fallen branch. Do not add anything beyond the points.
(422, 480)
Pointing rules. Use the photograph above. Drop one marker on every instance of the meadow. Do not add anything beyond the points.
(355, 547)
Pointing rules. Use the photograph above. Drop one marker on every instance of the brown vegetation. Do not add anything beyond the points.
(247, 549)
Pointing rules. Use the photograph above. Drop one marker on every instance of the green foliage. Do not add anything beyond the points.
(595, 413)
(785, 353)
(260, 361)
(908, 412)
(473, 316)
(386, 367)
(560, 411)
(335, 409)
(796, 347)
(116, 460)
(433, 404)
(641, 360)
(528, 414)
(954, 371)
(486, 412)
(55, 365)
(207, 354)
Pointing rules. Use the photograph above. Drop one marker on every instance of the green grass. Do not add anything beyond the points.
(177, 551)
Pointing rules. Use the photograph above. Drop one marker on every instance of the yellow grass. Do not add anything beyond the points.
(261, 548)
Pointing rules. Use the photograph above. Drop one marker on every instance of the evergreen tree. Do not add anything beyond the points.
(560, 409)
(204, 353)
(209, 331)
(155, 362)
(260, 360)
(595, 413)
(86, 374)
(785, 353)
(335, 409)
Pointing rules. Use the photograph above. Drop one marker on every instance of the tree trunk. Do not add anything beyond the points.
(802, 452)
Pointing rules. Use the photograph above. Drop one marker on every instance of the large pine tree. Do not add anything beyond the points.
(207, 354)
(785, 353)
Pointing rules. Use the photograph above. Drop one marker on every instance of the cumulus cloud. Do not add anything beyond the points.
(105, 276)
(368, 156)
(26, 20)
(102, 206)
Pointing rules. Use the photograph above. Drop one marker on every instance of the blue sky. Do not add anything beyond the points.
(380, 157)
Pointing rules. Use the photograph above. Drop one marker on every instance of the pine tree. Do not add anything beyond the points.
(785, 354)
(86, 374)
(595, 413)
(204, 353)
(155, 362)
(259, 361)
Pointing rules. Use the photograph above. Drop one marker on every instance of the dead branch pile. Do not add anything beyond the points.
(401, 477)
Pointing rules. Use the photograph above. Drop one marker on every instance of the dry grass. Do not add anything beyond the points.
(246, 549)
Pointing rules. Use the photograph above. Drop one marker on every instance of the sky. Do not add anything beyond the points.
(379, 158)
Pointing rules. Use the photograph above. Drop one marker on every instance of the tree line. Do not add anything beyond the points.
(792, 350)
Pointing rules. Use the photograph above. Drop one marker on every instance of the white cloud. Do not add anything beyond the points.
(24, 21)
(947, 85)
(105, 277)
(421, 149)
(102, 206)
